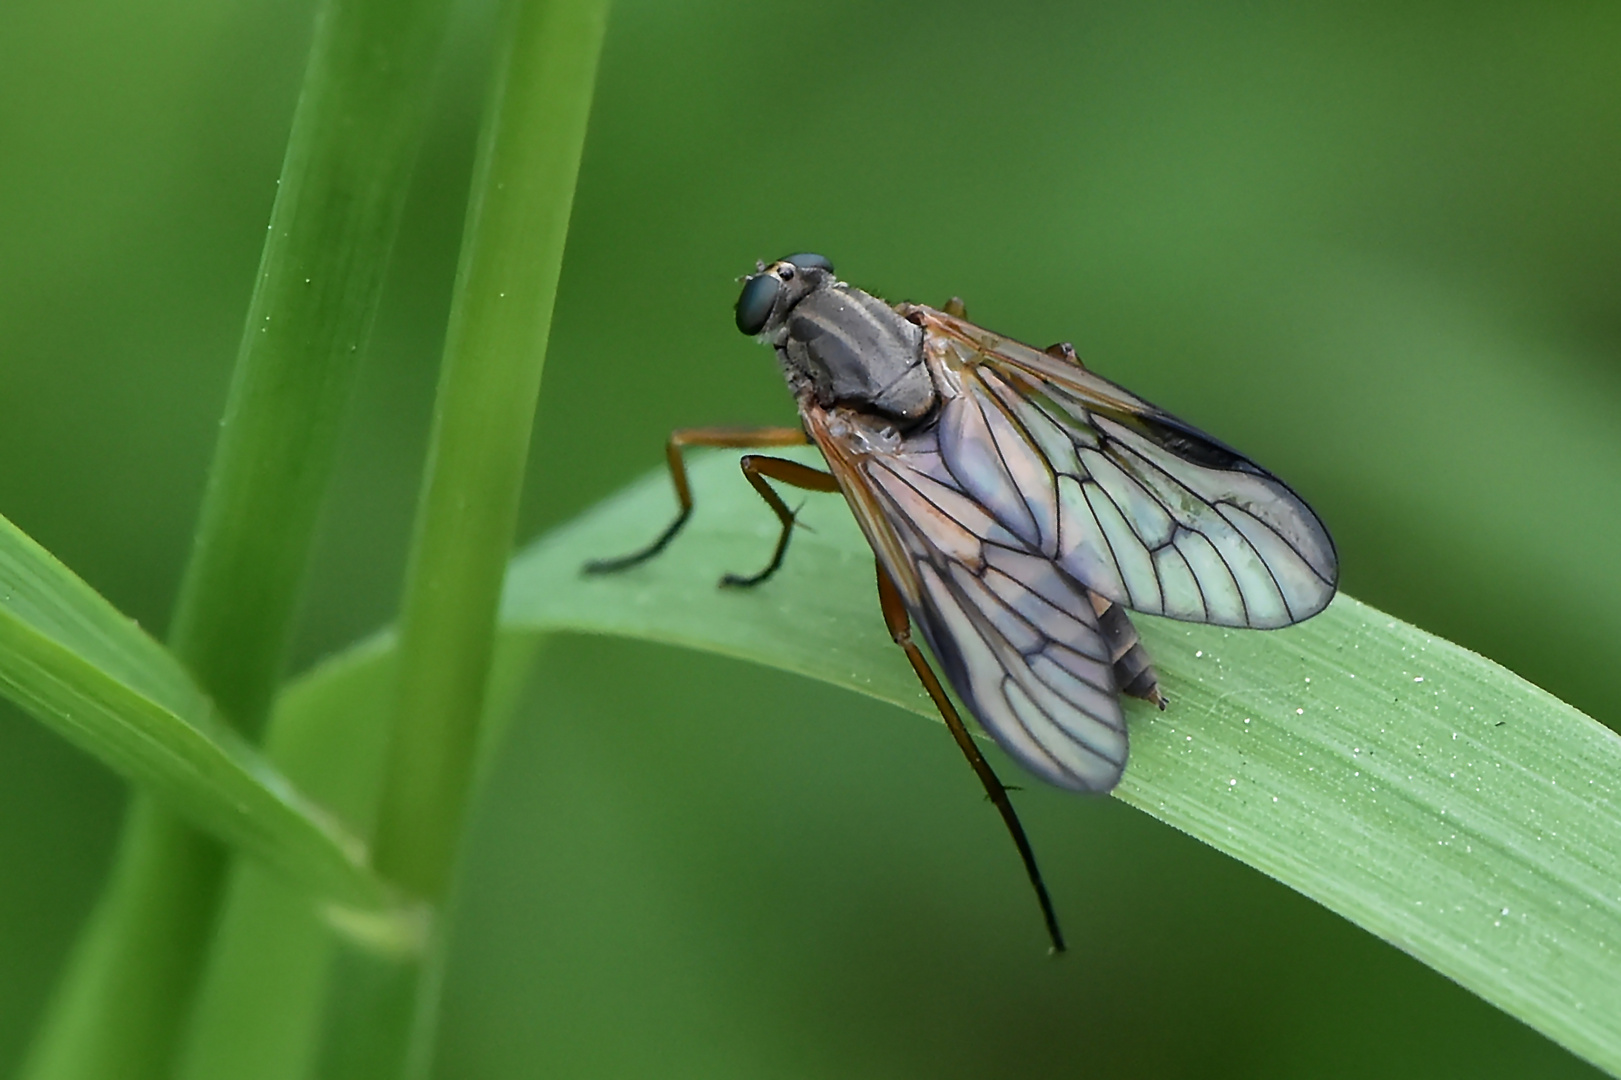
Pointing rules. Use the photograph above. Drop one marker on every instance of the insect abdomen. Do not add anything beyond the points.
(1134, 672)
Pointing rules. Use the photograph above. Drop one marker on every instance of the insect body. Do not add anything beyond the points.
(1016, 504)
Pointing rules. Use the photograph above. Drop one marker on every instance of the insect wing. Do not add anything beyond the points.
(1142, 508)
(1017, 637)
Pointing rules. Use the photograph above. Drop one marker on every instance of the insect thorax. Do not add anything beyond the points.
(852, 349)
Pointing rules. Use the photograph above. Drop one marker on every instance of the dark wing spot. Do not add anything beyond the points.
(1191, 444)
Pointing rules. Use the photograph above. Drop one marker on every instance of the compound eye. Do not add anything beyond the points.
(809, 261)
(754, 304)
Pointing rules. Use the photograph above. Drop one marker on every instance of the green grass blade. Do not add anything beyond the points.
(361, 118)
(1532, 839)
(127, 987)
(495, 348)
(260, 1001)
(1416, 788)
(260, 998)
(94, 677)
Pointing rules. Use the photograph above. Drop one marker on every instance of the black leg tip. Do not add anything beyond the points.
(611, 566)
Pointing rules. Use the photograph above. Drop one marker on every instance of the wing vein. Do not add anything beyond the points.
(1124, 516)
(1151, 463)
(1259, 556)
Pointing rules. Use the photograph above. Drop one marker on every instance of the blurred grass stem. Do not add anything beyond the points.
(354, 139)
(495, 349)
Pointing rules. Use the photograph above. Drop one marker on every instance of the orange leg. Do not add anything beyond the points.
(737, 438)
(900, 628)
(760, 469)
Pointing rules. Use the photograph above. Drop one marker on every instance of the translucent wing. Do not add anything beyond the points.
(1015, 634)
(1135, 504)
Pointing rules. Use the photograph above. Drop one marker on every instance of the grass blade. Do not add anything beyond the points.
(1381, 814)
(495, 348)
(126, 989)
(1416, 788)
(260, 1000)
(94, 677)
(361, 117)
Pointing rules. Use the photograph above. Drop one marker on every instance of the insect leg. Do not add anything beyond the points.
(900, 628)
(758, 469)
(736, 438)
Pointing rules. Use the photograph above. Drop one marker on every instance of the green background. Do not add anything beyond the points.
(1378, 248)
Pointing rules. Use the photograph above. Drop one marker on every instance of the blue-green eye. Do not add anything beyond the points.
(809, 261)
(754, 304)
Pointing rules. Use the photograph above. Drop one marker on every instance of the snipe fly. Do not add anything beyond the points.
(1017, 504)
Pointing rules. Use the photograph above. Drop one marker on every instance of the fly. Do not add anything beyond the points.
(1017, 504)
